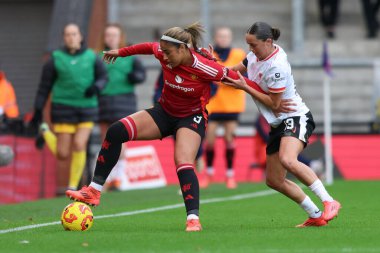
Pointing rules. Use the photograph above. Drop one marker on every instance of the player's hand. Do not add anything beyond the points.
(238, 83)
(110, 57)
(91, 91)
(286, 106)
(37, 118)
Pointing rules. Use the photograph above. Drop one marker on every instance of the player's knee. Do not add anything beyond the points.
(63, 154)
(274, 183)
(288, 162)
(117, 133)
(183, 157)
(79, 145)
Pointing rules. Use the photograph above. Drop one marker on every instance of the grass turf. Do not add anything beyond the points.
(261, 224)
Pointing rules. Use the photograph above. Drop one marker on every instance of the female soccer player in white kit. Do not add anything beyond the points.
(267, 65)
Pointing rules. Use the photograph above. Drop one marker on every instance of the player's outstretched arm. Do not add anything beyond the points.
(143, 48)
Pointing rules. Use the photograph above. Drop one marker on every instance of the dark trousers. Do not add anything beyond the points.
(370, 9)
(328, 10)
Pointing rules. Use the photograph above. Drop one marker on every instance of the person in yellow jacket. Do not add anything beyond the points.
(224, 108)
(8, 104)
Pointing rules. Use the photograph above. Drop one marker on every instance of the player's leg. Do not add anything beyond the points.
(186, 147)
(210, 153)
(276, 179)
(289, 151)
(79, 154)
(138, 126)
(64, 147)
(229, 138)
(114, 179)
(295, 136)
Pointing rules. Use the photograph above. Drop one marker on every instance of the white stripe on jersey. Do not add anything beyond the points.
(207, 69)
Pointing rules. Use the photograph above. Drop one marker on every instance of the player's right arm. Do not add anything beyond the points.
(142, 48)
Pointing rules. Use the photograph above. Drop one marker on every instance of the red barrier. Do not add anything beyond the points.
(30, 176)
(32, 173)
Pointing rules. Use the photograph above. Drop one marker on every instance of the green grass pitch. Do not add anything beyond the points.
(232, 222)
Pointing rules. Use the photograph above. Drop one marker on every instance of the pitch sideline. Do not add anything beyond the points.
(150, 210)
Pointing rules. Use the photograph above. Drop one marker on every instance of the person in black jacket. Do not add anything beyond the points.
(74, 75)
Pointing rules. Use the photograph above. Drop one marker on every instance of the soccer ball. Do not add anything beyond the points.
(77, 217)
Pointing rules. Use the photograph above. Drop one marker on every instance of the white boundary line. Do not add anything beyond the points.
(149, 210)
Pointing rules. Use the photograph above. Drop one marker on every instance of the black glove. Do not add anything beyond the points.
(91, 91)
(37, 118)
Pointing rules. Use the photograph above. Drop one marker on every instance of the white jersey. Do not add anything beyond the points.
(274, 75)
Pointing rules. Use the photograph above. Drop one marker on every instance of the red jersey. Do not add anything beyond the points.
(186, 88)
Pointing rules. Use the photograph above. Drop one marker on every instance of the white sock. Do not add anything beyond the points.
(192, 217)
(312, 210)
(319, 190)
(230, 173)
(96, 186)
(210, 171)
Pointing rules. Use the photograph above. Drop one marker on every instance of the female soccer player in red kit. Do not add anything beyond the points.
(180, 111)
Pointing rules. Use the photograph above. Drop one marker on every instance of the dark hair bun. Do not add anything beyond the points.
(276, 33)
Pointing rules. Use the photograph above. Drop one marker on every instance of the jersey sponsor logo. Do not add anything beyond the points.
(178, 79)
(277, 78)
(174, 86)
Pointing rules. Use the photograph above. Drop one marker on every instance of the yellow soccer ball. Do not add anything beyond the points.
(77, 217)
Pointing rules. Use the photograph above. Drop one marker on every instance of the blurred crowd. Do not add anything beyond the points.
(329, 15)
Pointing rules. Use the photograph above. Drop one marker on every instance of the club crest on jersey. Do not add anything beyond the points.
(277, 75)
(194, 77)
(178, 79)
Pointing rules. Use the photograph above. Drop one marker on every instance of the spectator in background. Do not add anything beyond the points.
(370, 10)
(224, 108)
(8, 111)
(328, 12)
(8, 103)
(75, 76)
(118, 98)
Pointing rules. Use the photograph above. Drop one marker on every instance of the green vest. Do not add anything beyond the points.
(75, 73)
(117, 77)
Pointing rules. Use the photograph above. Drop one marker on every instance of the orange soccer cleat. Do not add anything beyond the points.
(331, 210)
(313, 222)
(231, 183)
(193, 225)
(86, 195)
